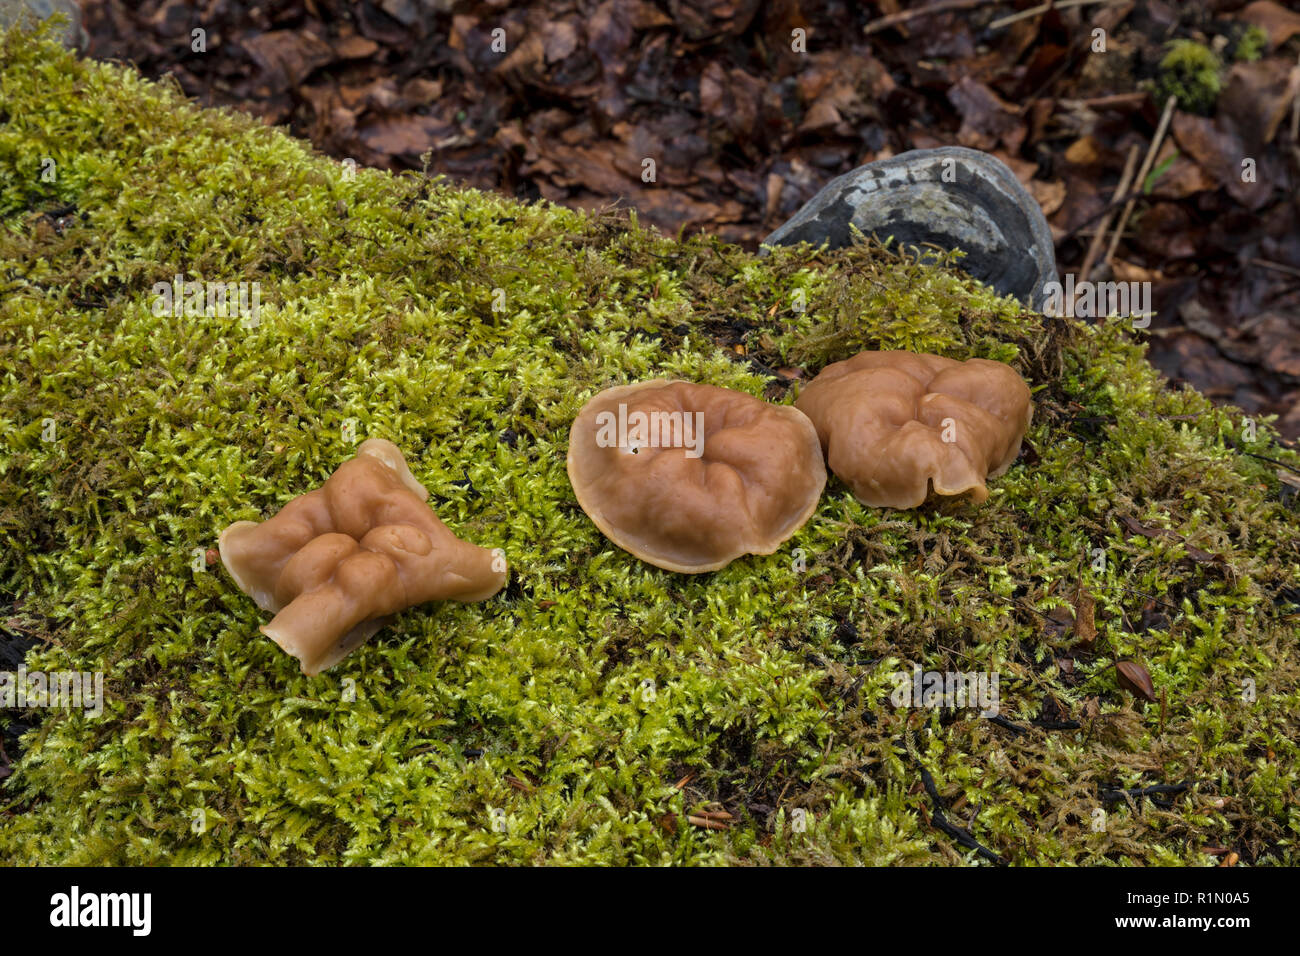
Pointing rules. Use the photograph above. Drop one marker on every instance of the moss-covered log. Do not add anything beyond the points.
(596, 709)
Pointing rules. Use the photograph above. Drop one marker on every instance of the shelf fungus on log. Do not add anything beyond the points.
(690, 477)
(335, 564)
(892, 423)
(950, 197)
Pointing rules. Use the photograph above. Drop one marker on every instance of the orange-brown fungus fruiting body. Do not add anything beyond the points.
(334, 563)
(893, 423)
(690, 477)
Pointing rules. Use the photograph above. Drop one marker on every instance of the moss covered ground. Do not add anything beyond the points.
(598, 710)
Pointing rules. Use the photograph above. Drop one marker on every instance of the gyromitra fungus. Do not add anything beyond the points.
(689, 477)
(335, 562)
(893, 422)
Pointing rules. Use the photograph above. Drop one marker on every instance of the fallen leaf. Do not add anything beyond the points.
(1049, 195)
(407, 134)
(559, 39)
(355, 47)
(1135, 679)
(1218, 148)
(1083, 151)
(1257, 96)
(987, 119)
(1274, 19)
(1196, 554)
(1132, 272)
(287, 57)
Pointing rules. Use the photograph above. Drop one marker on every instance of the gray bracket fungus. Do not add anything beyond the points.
(983, 210)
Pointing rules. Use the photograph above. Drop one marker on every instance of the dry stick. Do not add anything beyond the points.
(1094, 247)
(943, 6)
(1001, 721)
(1043, 8)
(1147, 163)
(1115, 795)
(1105, 102)
(1037, 722)
(1151, 597)
(1066, 65)
(939, 817)
(1266, 264)
(1108, 208)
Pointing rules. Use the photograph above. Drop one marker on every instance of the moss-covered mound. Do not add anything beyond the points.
(599, 709)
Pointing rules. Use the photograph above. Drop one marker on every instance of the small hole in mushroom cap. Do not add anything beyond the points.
(684, 512)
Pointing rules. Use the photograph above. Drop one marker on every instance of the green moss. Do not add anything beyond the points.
(770, 680)
(1192, 72)
(1250, 45)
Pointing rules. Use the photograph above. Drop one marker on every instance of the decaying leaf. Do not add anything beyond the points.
(1196, 554)
(1135, 679)
(1085, 628)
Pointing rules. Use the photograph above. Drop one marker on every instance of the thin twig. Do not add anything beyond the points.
(1115, 795)
(943, 6)
(1110, 207)
(1272, 461)
(704, 823)
(1057, 724)
(1276, 266)
(1037, 722)
(1106, 102)
(1149, 597)
(1094, 247)
(1041, 9)
(939, 819)
(1007, 725)
(1147, 163)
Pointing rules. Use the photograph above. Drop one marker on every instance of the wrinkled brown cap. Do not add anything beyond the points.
(883, 418)
(756, 478)
(335, 562)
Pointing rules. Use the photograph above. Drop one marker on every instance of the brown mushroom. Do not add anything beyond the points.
(689, 477)
(334, 563)
(892, 423)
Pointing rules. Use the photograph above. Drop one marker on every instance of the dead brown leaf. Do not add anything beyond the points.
(987, 119)
(1085, 628)
(287, 57)
(1274, 19)
(1135, 679)
(405, 134)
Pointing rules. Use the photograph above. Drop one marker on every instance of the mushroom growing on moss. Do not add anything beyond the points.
(892, 423)
(689, 477)
(334, 563)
